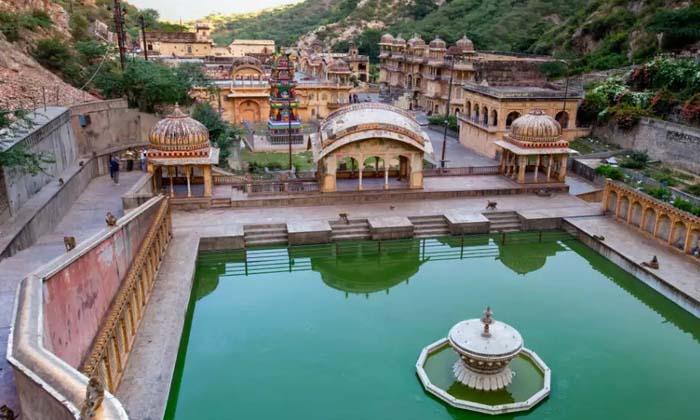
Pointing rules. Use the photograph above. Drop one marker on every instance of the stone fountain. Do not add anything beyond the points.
(483, 378)
(485, 348)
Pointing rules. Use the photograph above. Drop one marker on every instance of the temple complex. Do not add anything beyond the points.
(334, 66)
(533, 151)
(424, 70)
(180, 154)
(259, 48)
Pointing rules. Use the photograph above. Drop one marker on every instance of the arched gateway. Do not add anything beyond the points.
(383, 140)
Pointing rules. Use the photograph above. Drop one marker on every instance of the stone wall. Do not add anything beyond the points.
(666, 141)
(51, 133)
(112, 126)
(77, 297)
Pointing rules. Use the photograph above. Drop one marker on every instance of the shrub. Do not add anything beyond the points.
(693, 189)
(680, 27)
(682, 204)
(610, 172)
(660, 193)
(56, 55)
(635, 160)
(691, 109)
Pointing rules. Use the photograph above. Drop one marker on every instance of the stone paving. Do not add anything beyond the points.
(678, 270)
(85, 218)
(456, 154)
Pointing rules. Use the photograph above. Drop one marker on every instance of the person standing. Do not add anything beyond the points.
(114, 169)
(142, 158)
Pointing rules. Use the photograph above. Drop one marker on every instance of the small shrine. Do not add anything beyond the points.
(283, 125)
(534, 150)
(181, 156)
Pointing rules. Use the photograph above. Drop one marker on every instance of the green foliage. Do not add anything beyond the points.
(693, 189)
(18, 157)
(56, 54)
(635, 160)
(660, 193)
(421, 8)
(148, 84)
(340, 47)
(221, 132)
(553, 69)
(11, 23)
(452, 123)
(610, 172)
(257, 162)
(368, 43)
(679, 27)
(682, 204)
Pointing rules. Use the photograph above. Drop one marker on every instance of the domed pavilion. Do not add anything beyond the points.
(181, 154)
(534, 150)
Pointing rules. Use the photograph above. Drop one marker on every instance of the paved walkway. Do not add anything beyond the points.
(678, 270)
(456, 154)
(558, 205)
(85, 218)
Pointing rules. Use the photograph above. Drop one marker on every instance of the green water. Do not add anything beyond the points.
(333, 332)
(527, 381)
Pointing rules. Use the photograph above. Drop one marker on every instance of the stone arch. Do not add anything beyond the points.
(512, 116)
(624, 207)
(694, 242)
(457, 110)
(663, 228)
(680, 232)
(468, 109)
(494, 117)
(611, 205)
(562, 118)
(649, 220)
(636, 215)
(249, 110)
(476, 112)
(485, 115)
(409, 80)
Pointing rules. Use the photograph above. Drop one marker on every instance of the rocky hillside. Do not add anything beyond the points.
(596, 34)
(23, 81)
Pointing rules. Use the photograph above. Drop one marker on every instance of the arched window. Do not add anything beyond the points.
(485, 115)
(511, 117)
(494, 118)
(468, 109)
(563, 119)
(311, 96)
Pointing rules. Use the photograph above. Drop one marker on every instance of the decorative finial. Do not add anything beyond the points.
(487, 321)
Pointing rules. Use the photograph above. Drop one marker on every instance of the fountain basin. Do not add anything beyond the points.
(531, 386)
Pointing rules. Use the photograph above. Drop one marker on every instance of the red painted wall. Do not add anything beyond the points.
(77, 298)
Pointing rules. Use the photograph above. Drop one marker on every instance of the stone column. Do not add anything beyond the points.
(522, 163)
(562, 168)
(686, 245)
(537, 167)
(386, 174)
(360, 164)
(206, 174)
(549, 167)
(171, 173)
(187, 176)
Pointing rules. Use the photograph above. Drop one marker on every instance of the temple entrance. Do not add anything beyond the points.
(377, 173)
(249, 111)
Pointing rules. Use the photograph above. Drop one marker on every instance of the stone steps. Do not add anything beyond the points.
(220, 202)
(429, 226)
(506, 221)
(272, 234)
(355, 230)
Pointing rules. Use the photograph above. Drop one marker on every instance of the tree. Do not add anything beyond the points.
(368, 43)
(149, 84)
(221, 132)
(422, 8)
(18, 157)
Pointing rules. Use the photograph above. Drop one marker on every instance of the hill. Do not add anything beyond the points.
(595, 34)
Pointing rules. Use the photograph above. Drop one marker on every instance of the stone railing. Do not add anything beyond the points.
(654, 217)
(59, 342)
(469, 170)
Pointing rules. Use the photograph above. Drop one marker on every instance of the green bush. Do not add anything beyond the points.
(635, 160)
(693, 189)
(660, 193)
(680, 27)
(682, 204)
(56, 55)
(611, 172)
(452, 122)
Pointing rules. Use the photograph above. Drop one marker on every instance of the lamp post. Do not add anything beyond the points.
(447, 111)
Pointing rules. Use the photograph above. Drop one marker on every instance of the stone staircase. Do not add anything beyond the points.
(356, 230)
(429, 226)
(220, 202)
(272, 234)
(504, 221)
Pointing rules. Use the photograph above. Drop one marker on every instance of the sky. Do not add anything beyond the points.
(174, 10)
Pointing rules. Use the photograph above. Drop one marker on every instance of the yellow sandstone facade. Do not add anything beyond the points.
(196, 44)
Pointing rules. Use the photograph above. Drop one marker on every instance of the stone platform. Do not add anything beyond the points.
(390, 227)
(465, 222)
(302, 232)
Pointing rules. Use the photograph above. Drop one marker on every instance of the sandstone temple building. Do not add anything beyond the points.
(180, 44)
(318, 64)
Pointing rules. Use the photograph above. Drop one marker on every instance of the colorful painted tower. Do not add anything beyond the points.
(284, 118)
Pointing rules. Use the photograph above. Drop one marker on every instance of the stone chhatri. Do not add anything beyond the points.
(485, 348)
